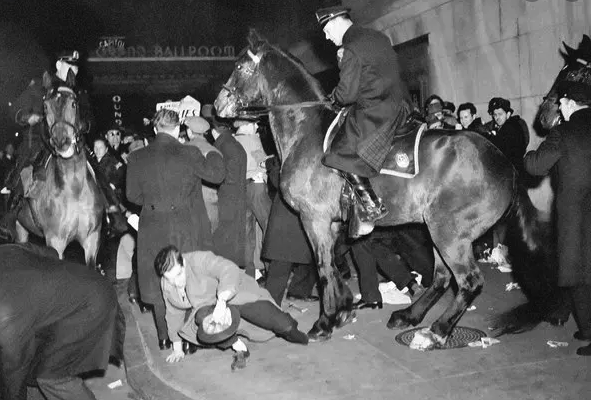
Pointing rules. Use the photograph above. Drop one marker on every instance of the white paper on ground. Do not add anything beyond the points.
(134, 221)
(391, 295)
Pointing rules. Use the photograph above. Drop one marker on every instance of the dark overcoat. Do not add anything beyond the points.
(512, 139)
(165, 179)
(229, 238)
(285, 238)
(566, 155)
(56, 318)
(370, 84)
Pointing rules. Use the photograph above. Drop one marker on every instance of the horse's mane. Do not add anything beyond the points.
(303, 79)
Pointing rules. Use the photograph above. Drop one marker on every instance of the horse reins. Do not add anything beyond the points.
(70, 93)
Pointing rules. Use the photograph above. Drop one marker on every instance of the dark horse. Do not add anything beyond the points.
(68, 205)
(465, 185)
(539, 280)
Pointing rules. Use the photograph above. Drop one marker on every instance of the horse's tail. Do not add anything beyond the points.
(532, 254)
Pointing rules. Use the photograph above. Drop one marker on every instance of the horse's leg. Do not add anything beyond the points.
(22, 235)
(415, 313)
(470, 280)
(336, 298)
(59, 244)
(90, 246)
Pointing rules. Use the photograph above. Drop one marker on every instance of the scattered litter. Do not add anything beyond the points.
(506, 268)
(134, 221)
(349, 337)
(472, 308)
(421, 340)
(512, 286)
(257, 275)
(115, 384)
(358, 296)
(498, 255)
(391, 294)
(484, 342)
(292, 305)
(554, 343)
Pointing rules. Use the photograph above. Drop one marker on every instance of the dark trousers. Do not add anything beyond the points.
(395, 253)
(107, 257)
(302, 283)
(581, 307)
(69, 388)
(263, 314)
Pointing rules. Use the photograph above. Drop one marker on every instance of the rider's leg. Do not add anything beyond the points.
(372, 204)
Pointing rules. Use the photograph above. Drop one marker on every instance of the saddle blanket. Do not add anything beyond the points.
(403, 158)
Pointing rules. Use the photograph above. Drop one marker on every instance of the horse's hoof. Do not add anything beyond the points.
(345, 317)
(318, 335)
(399, 320)
(425, 340)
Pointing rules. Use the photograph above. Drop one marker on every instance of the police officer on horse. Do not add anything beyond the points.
(34, 151)
(377, 101)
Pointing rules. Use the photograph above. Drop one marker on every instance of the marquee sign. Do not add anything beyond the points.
(115, 47)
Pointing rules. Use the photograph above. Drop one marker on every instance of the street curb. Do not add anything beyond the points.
(141, 375)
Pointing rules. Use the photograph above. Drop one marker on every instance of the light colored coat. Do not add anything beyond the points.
(207, 275)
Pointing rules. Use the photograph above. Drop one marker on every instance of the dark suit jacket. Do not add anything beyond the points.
(165, 179)
(566, 155)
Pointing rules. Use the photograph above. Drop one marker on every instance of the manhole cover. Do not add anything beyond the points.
(460, 337)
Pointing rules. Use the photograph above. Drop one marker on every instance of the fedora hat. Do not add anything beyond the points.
(209, 332)
(197, 124)
(323, 15)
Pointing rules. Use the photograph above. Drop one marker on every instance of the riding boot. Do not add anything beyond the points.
(372, 208)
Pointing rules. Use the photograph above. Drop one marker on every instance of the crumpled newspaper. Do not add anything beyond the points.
(554, 343)
(391, 294)
(484, 342)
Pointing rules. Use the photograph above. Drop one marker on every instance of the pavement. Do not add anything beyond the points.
(363, 361)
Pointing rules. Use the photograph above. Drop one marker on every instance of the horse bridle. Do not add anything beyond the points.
(246, 109)
(56, 92)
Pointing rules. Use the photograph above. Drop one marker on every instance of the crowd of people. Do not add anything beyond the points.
(192, 261)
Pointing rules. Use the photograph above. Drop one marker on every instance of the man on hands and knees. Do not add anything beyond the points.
(197, 281)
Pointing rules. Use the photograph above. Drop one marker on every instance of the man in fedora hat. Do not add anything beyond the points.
(565, 155)
(197, 279)
(371, 87)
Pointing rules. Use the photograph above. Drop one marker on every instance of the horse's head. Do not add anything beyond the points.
(576, 68)
(62, 115)
(263, 76)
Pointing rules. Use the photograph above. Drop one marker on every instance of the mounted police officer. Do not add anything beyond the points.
(370, 86)
(33, 152)
(27, 111)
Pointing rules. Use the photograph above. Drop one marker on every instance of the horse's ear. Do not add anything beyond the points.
(71, 78)
(255, 40)
(569, 50)
(47, 81)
